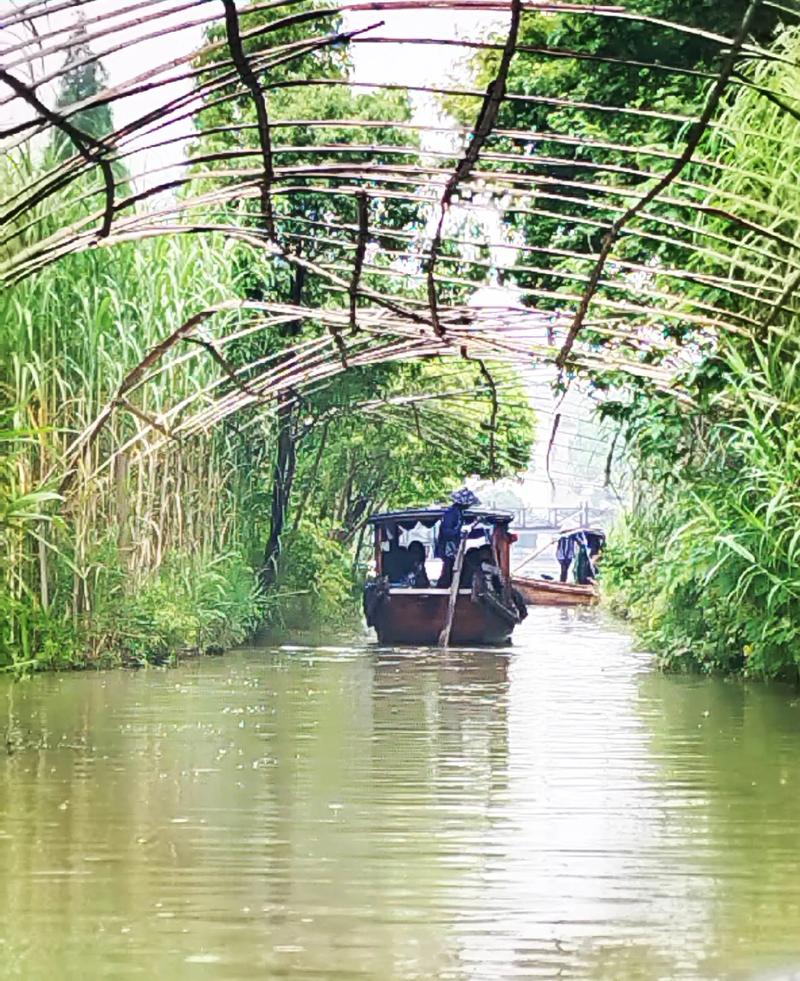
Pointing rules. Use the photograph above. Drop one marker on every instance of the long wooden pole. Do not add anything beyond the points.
(444, 636)
(538, 552)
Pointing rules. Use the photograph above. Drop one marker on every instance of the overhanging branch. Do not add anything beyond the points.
(487, 117)
(661, 185)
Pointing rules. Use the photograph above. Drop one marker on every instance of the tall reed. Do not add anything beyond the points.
(708, 563)
(68, 335)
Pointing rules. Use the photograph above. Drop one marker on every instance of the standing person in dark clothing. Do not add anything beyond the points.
(596, 541)
(584, 567)
(449, 537)
(565, 553)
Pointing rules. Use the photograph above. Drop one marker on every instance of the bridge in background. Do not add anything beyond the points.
(554, 519)
(536, 528)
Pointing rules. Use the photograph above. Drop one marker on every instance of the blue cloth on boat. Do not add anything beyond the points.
(565, 550)
(449, 535)
(449, 532)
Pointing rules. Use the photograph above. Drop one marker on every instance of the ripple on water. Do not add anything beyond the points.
(556, 808)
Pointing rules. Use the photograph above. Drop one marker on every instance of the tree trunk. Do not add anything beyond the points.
(282, 479)
(312, 477)
(283, 470)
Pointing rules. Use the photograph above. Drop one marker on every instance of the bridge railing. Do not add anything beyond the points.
(555, 518)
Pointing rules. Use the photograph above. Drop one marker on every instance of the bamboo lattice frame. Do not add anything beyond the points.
(386, 286)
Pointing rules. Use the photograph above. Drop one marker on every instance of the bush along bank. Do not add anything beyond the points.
(190, 605)
(706, 564)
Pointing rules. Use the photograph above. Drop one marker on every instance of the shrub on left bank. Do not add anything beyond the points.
(188, 605)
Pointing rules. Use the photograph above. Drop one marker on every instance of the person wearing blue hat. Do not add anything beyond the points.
(449, 537)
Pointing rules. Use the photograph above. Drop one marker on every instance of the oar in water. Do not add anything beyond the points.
(444, 636)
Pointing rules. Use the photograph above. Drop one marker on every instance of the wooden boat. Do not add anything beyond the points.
(546, 592)
(486, 610)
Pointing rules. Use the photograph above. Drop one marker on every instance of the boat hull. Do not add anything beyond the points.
(542, 592)
(417, 617)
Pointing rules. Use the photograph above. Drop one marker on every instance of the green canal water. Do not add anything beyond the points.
(557, 809)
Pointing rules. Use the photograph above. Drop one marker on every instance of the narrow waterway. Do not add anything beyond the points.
(557, 809)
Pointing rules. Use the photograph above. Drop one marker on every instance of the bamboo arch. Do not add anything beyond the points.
(600, 317)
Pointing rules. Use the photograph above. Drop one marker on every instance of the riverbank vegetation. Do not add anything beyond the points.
(705, 561)
(212, 374)
(128, 534)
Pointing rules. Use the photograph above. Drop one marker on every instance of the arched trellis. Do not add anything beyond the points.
(386, 283)
(502, 335)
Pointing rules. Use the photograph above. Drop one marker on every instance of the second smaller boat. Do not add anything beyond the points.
(545, 592)
(581, 545)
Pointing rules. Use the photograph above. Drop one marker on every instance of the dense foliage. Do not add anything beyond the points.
(707, 562)
(154, 547)
(331, 462)
(609, 101)
(192, 539)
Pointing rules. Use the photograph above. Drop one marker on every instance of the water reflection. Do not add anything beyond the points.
(555, 809)
(730, 752)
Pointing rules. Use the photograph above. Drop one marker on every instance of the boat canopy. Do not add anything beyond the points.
(429, 516)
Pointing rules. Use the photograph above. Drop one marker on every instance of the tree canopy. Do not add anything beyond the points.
(340, 251)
